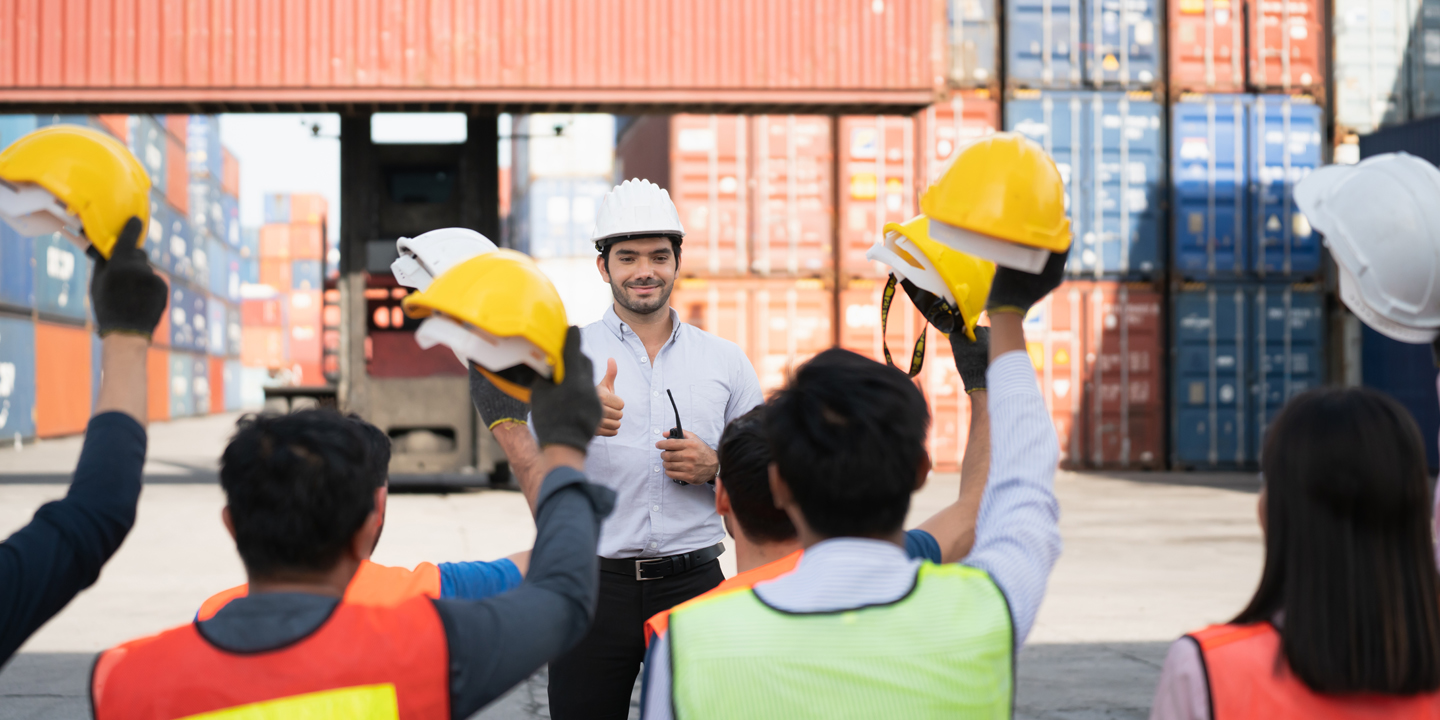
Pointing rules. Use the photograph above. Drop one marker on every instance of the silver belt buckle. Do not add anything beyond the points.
(638, 566)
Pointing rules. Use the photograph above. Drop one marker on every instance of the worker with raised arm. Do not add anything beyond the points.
(44, 177)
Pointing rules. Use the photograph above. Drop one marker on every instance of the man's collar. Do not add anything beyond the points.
(618, 326)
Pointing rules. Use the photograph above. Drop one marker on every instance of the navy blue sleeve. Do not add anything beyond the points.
(477, 580)
(921, 545)
(46, 563)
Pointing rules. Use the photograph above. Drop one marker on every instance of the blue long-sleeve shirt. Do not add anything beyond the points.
(46, 563)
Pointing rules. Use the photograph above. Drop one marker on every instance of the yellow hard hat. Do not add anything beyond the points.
(1002, 199)
(92, 176)
(961, 280)
(499, 312)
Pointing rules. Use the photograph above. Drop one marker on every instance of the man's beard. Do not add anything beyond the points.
(642, 306)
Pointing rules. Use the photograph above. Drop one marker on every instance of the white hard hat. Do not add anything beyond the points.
(636, 208)
(1381, 221)
(428, 256)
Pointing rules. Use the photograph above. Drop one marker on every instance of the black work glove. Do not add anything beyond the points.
(126, 294)
(972, 359)
(568, 413)
(1016, 290)
(493, 404)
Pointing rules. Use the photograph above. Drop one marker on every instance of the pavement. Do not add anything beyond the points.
(1147, 557)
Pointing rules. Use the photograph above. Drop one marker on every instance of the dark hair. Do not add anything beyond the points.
(848, 437)
(298, 487)
(377, 445)
(1348, 549)
(745, 471)
(609, 243)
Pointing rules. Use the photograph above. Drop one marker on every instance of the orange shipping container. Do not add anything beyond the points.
(229, 173)
(157, 384)
(794, 212)
(62, 379)
(950, 125)
(1287, 46)
(877, 174)
(262, 347)
(118, 125)
(217, 385)
(177, 165)
(307, 373)
(305, 307)
(1206, 44)
(1054, 332)
(708, 180)
(307, 241)
(307, 208)
(305, 343)
(276, 273)
(275, 242)
(258, 313)
(1286, 43)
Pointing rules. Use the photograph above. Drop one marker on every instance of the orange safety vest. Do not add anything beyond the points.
(374, 662)
(657, 625)
(374, 584)
(1249, 678)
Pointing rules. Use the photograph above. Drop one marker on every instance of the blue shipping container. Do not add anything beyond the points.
(217, 281)
(277, 208)
(1284, 148)
(974, 40)
(1043, 39)
(17, 379)
(62, 275)
(147, 143)
(306, 275)
(1407, 373)
(17, 269)
(230, 211)
(233, 371)
(1123, 36)
(1236, 161)
(1069, 44)
(202, 146)
(188, 318)
(181, 240)
(215, 327)
(1241, 351)
(250, 271)
(182, 375)
(1107, 146)
(13, 127)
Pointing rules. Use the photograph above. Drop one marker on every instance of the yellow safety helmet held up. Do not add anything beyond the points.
(500, 312)
(961, 280)
(73, 180)
(1002, 199)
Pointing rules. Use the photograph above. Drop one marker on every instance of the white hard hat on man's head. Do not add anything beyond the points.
(1381, 221)
(636, 208)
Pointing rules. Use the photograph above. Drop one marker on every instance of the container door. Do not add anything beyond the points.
(1210, 186)
(1209, 384)
(973, 36)
(1043, 37)
(1287, 46)
(1284, 147)
(1125, 425)
(1124, 44)
(1206, 46)
(1056, 121)
(1290, 347)
(1122, 239)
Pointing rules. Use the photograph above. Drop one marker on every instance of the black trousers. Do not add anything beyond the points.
(594, 679)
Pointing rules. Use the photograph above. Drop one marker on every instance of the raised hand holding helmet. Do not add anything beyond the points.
(125, 292)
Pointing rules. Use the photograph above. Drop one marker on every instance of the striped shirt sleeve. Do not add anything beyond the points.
(1017, 536)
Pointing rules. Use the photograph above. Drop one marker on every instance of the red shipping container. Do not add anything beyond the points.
(718, 306)
(305, 306)
(157, 384)
(62, 379)
(117, 125)
(229, 173)
(1287, 46)
(177, 164)
(217, 385)
(877, 185)
(307, 240)
(276, 273)
(708, 179)
(1125, 422)
(262, 313)
(1206, 42)
(307, 209)
(1054, 333)
(275, 242)
(947, 126)
(262, 347)
(793, 204)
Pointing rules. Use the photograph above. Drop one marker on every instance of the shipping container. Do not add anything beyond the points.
(62, 379)
(306, 275)
(793, 201)
(217, 258)
(234, 397)
(264, 347)
(1207, 46)
(207, 216)
(1241, 351)
(181, 239)
(556, 217)
(307, 241)
(187, 319)
(13, 127)
(229, 173)
(147, 141)
(117, 125)
(1124, 43)
(1044, 43)
(177, 175)
(1054, 337)
(274, 241)
(305, 306)
(269, 312)
(952, 124)
(1108, 148)
(17, 271)
(200, 384)
(230, 211)
(182, 384)
(1287, 46)
(157, 384)
(308, 209)
(1285, 146)
(157, 241)
(232, 331)
(62, 277)
(1211, 185)
(877, 185)
(708, 171)
(1125, 392)
(973, 43)
(1405, 372)
(202, 148)
(1373, 85)
(215, 329)
(578, 145)
(17, 379)
(276, 273)
(305, 345)
(218, 381)
(277, 209)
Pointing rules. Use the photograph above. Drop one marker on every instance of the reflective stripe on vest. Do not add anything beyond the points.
(943, 650)
(1249, 678)
(367, 662)
(373, 584)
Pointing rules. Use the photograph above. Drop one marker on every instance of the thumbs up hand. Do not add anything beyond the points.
(609, 402)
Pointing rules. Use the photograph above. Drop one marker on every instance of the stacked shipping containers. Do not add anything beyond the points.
(49, 354)
(281, 310)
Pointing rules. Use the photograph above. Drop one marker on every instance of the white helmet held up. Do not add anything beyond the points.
(1381, 221)
(636, 208)
(426, 257)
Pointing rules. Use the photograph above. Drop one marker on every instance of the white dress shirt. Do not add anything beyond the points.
(713, 383)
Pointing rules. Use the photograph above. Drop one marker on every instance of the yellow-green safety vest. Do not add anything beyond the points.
(945, 650)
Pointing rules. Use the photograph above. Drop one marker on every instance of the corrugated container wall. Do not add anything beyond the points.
(17, 378)
(1287, 46)
(1072, 44)
(1387, 63)
(1108, 148)
(793, 198)
(708, 171)
(1207, 46)
(974, 43)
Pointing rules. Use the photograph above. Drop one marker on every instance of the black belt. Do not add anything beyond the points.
(655, 568)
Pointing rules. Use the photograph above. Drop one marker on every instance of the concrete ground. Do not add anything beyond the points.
(1147, 557)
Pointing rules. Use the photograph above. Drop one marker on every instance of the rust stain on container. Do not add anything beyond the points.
(463, 51)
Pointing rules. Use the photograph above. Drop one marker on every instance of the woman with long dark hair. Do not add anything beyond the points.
(1346, 621)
